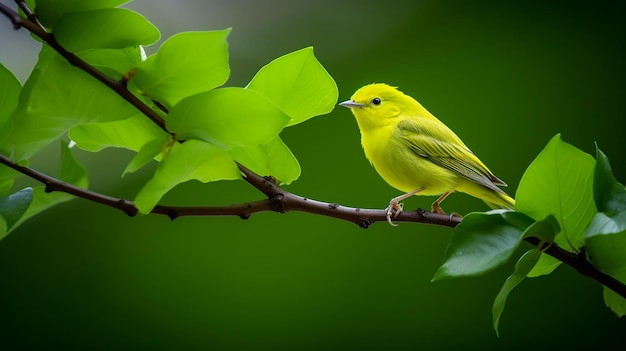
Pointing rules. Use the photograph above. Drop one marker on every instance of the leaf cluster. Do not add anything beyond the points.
(207, 129)
(566, 199)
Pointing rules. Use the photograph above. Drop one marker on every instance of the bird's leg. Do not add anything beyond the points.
(436, 207)
(395, 207)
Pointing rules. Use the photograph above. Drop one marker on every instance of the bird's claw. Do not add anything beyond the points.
(394, 209)
(436, 208)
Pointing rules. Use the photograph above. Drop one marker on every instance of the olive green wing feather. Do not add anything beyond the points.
(432, 140)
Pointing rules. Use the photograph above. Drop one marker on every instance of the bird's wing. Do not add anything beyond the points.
(434, 141)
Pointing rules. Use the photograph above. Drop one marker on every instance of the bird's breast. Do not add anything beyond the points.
(403, 169)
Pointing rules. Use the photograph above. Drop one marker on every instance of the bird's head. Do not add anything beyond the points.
(377, 105)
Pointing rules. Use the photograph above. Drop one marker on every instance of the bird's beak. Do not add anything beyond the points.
(350, 104)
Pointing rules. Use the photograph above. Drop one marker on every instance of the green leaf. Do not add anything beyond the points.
(544, 230)
(614, 301)
(227, 118)
(522, 268)
(9, 93)
(78, 31)
(559, 183)
(71, 172)
(298, 84)
(479, 244)
(148, 152)
(186, 64)
(609, 194)
(7, 176)
(602, 224)
(13, 207)
(273, 158)
(55, 98)
(49, 11)
(193, 159)
(606, 250)
(131, 133)
(113, 62)
(517, 219)
(546, 265)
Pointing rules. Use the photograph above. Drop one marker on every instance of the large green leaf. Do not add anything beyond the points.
(559, 183)
(273, 158)
(56, 97)
(131, 133)
(8, 129)
(606, 250)
(49, 11)
(186, 64)
(609, 194)
(191, 160)
(522, 268)
(77, 31)
(479, 244)
(9, 93)
(298, 84)
(13, 207)
(227, 118)
(71, 172)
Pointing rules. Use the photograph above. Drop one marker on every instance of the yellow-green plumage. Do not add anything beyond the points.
(415, 152)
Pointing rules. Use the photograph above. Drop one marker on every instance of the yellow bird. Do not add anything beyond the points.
(416, 153)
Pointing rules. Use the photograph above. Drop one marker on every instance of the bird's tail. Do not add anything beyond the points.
(500, 200)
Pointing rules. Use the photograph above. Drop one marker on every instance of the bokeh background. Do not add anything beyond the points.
(506, 76)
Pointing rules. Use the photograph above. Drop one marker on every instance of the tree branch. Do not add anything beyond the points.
(278, 199)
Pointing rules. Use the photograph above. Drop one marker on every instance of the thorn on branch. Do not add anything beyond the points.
(172, 214)
(364, 223)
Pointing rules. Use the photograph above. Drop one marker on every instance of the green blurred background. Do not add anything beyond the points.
(506, 76)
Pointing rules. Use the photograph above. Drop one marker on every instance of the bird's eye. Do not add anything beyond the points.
(376, 101)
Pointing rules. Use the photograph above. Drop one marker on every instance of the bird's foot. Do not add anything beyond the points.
(438, 209)
(393, 210)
